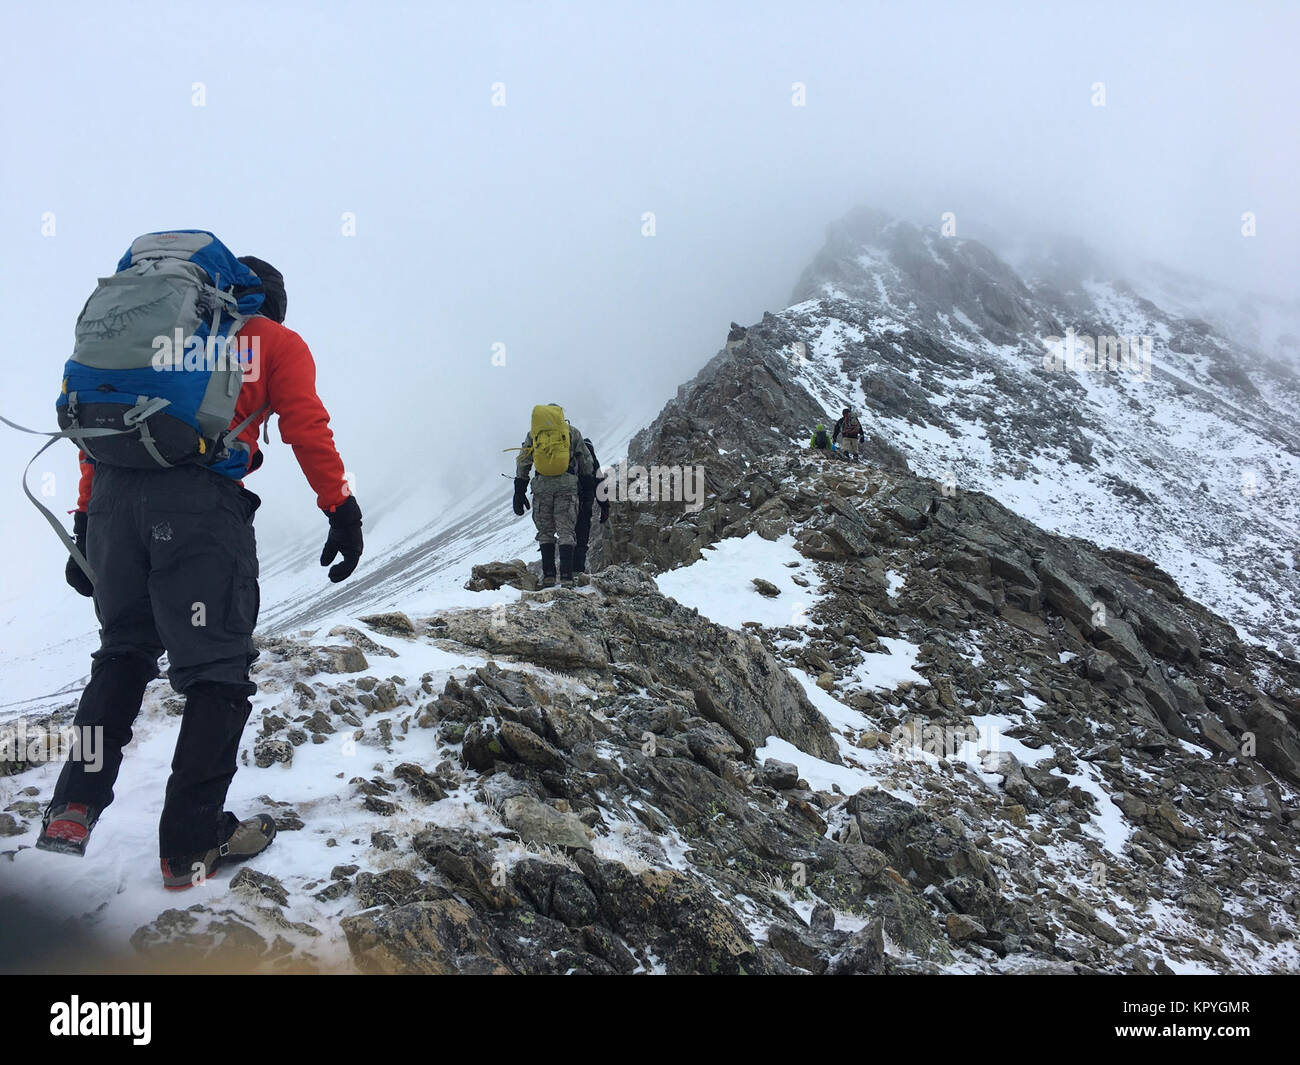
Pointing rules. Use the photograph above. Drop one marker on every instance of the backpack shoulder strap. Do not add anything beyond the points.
(46, 513)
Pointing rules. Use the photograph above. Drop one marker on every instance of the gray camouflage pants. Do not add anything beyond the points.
(556, 516)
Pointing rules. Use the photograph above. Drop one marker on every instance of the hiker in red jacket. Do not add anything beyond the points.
(175, 563)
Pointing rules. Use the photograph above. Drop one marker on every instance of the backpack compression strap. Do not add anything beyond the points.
(135, 419)
(55, 524)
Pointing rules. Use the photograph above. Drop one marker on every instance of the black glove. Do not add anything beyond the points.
(520, 501)
(72, 573)
(344, 539)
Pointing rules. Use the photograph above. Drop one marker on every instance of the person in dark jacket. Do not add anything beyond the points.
(175, 563)
(821, 439)
(848, 429)
(588, 490)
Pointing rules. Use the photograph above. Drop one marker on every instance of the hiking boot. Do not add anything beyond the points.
(548, 580)
(548, 565)
(566, 565)
(248, 839)
(67, 830)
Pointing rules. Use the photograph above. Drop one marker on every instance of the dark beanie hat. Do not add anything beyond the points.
(276, 302)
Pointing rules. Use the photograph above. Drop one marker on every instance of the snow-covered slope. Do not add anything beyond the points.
(1192, 459)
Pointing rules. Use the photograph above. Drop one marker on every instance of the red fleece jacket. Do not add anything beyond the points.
(286, 385)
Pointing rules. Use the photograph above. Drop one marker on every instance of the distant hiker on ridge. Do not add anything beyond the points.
(556, 449)
(587, 491)
(850, 429)
(164, 526)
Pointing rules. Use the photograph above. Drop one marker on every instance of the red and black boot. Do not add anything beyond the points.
(67, 830)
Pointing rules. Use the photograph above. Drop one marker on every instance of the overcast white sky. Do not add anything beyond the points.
(521, 225)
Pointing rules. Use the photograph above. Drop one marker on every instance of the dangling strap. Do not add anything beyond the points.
(55, 524)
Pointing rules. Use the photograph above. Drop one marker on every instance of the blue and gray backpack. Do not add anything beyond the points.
(157, 367)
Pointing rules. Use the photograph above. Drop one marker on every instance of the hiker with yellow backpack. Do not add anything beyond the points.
(558, 454)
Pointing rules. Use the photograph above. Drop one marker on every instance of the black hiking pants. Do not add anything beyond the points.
(582, 532)
(175, 562)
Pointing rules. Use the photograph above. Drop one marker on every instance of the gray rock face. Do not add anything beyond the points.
(731, 678)
(539, 823)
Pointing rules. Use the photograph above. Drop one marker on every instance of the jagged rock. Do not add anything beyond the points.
(482, 745)
(268, 752)
(712, 746)
(733, 679)
(319, 724)
(1030, 623)
(676, 916)
(779, 775)
(422, 785)
(339, 660)
(1101, 666)
(1277, 739)
(433, 938)
(962, 926)
(850, 538)
(541, 824)
(1070, 598)
(1165, 823)
(1046, 782)
(393, 623)
(1211, 728)
(466, 865)
(530, 748)
(262, 885)
(864, 954)
(797, 947)
(492, 575)
(882, 819)
(766, 588)
(1202, 900)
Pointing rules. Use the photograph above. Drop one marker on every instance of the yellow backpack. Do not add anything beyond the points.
(551, 445)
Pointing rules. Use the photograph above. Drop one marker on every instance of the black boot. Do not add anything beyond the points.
(566, 565)
(548, 565)
(579, 559)
(110, 703)
(193, 816)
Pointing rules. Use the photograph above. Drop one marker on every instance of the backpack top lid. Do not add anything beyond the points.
(205, 251)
